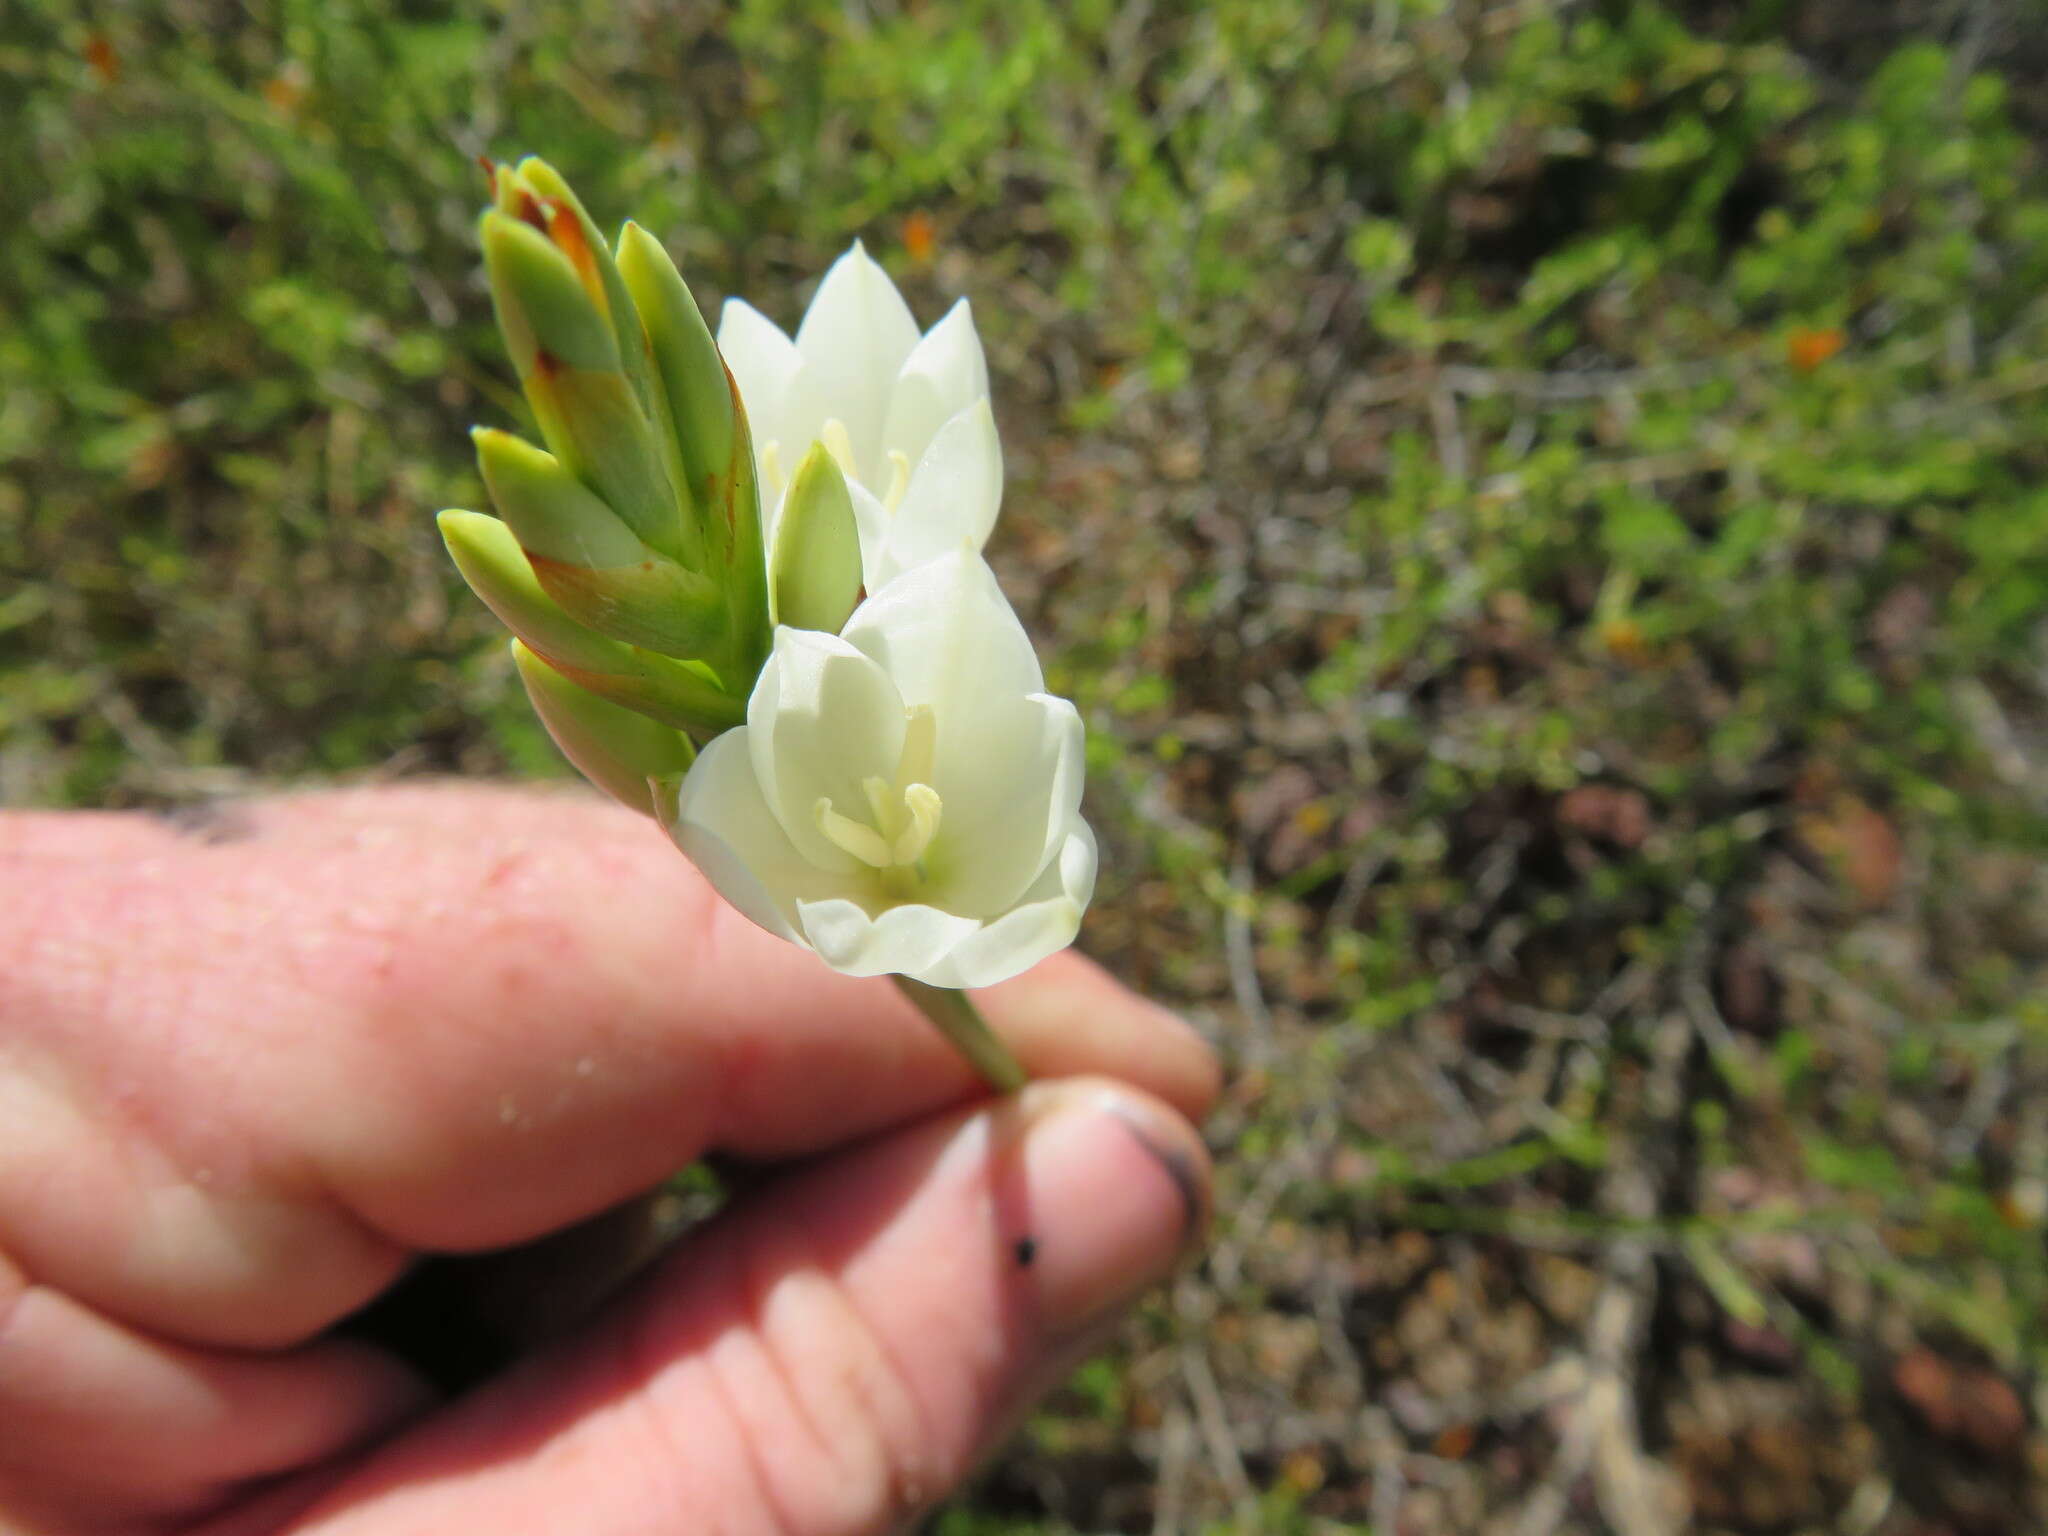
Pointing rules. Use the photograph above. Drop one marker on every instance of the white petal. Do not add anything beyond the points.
(901, 940)
(822, 718)
(854, 340)
(1009, 806)
(1045, 922)
(944, 374)
(763, 362)
(726, 828)
(954, 491)
(771, 503)
(946, 634)
(871, 520)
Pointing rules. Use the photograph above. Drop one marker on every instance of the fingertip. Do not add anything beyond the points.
(1118, 1191)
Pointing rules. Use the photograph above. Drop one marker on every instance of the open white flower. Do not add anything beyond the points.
(904, 798)
(907, 417)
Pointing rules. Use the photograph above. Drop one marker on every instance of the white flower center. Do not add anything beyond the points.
(902, 814)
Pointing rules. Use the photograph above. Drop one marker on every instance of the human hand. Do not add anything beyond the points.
(252, 1068)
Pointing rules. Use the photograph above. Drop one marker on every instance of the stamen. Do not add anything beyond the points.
(878, 790)
(922, 801)
(840, 445)
(864, 843)
(899, 479)
(906, 810)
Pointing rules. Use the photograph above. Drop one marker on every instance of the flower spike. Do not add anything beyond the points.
(832, 710)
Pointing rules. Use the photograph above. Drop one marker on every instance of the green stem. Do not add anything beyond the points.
(961, 1022)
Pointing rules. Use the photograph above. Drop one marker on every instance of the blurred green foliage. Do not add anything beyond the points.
(1542, 505)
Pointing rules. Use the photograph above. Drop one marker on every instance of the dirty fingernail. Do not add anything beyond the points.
(1115, 1189)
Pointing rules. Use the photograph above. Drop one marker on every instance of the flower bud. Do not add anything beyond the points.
(630, 557)
(617, 749)
(693, 376)
(576, 342)
(542, 305)
(552, 512)
(592, 564)
(711, 437)
(814, 573)
(682, 694)
(539, 196)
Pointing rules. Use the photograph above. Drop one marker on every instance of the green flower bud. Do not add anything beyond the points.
(814, 575)
(630, 558)
(700, 397)
(571, 229)
(543, 308)
(552, 512)
(618, 750)
(576, 342)
(710, 431)
(595, 428)
(591, 563)
(683, 694)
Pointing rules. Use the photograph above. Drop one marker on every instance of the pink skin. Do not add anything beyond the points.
(249, 1071)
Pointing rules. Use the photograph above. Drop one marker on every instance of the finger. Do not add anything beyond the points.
(833, 1357)
(262, 1064)
(106, 1425)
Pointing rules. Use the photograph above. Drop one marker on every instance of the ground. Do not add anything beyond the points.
(1541, 506)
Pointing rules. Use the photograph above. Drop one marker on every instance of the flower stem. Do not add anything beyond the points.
(961, 1022)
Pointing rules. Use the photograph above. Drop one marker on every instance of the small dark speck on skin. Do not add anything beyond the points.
(1027, 1250)
(212, 822)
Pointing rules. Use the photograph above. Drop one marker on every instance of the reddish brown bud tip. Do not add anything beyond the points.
(566, 230)
(528, 210)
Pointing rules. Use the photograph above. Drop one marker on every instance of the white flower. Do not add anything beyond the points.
(904, 798)
(907, 417)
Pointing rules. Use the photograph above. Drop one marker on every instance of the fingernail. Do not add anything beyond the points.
(1114, 1188)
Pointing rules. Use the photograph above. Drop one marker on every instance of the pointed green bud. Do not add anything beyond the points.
(596, 429)
(615, 748)
(551, 511)
(571, 229)
(655, 604)
(543, 307)
(680, 693)
(582, 359)
(592, 563)
(710, 431)
(700, 399)
(814, 574)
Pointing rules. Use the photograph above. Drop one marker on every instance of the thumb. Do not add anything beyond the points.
(831, 1357)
